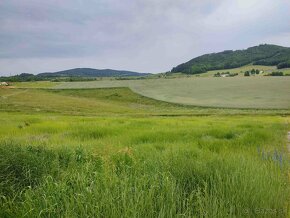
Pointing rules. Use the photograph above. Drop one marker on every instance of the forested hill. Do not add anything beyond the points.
(77, 74)
(89, 72)
(269, 55)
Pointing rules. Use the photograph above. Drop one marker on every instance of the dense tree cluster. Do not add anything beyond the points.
(284, 65)
(270, 55)
(252, 72)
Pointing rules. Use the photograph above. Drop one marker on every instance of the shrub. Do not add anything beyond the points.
(277, 74)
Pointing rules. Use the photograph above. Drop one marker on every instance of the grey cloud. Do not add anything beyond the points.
(142, 35)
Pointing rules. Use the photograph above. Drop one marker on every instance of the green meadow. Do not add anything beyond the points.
(234, 92)
(110, 152)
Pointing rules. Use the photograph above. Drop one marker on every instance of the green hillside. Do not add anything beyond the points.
(267, 55)
(89, 72)
(76, 74)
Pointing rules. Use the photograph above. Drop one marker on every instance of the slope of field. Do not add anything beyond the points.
(236, 92)
(118, 101)
(100, 102)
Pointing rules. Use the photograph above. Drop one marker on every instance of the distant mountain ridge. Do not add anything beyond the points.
(90, 72)
(269, 55)
(76, 74)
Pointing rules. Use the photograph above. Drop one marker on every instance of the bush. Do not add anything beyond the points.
(276, 74)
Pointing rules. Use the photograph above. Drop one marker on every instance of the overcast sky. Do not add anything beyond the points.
(139, 35)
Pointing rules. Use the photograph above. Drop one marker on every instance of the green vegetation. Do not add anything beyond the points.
(262, 55)
(235, 92)
(284, 65)
(89, 72)
(109, 152)
(243, 69)
(253, 72)
(64, 166)
(264, 70)
(268, 55)
(23, 77)
(77, 74)
(108, 101)
(276, 74)
(36, 84)
(113, 101)
(225, 74)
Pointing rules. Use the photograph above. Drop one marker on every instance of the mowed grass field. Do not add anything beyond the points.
(237, 92)
(106, 101)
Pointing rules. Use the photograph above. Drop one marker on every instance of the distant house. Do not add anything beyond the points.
(4, 84)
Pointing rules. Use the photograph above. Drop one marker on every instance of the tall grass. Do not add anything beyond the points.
(137, 167)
